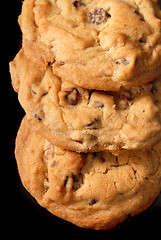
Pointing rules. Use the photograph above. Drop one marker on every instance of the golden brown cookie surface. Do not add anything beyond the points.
(84, 120)
(91, 190)
(102, 45)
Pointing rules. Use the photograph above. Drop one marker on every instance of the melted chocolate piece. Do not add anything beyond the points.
(97, 16)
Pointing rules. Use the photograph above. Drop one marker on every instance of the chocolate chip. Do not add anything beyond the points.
(49, 64)
(95, 154)
(102, 159)
(77, 181)
(99, 105)
(53, 164)
(37, 117)
(92, 137)
(79, 141)
(62, 63)
(44, 94)
(78, 4)
(93, 201)
(141, 41)
(153, 89)
(33, 92)
(97, 16)
(139, 15)
(92, 124)
(72, 96)
(122, 61)
(66, 180)
(123, 103)
(46, 189)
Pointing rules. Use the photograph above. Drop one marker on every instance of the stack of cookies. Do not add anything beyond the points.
(88, 78)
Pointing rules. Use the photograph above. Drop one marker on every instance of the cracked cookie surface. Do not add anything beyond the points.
(123, 38)
(92, 190)
(84, 120)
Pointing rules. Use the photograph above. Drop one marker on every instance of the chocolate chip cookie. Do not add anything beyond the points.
(84, 120)
(103, 45)
(68, 183)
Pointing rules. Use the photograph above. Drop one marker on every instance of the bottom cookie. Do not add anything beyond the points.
(92, 190)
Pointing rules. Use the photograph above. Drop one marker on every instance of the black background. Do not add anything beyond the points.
(22, 215)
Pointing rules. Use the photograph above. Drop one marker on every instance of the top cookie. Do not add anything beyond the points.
(103, 45)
